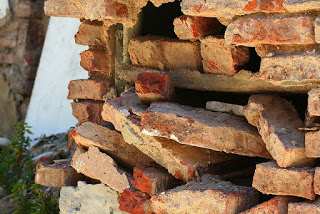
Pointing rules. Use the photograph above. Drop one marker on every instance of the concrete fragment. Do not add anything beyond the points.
(87, 112)
(269, 178)
(279, 129)
(89, 198)
(316, 184)
(312, 141)
(100, 166)
(198, 127)
(111, 142)
(225, 107)
(133, 201)
(210, 195)
(304, 207)
(154, 87)
(220, 59)
(152, 179)
(193, 28)
(278, 204)
(252, 31)
(88, 89)
(57, 175)
(165, 53)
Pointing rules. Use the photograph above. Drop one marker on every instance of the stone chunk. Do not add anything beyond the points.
(274, 30)
(88, 198)
(88, 134)
(221, 59)
(269, 178)
(193, 28)
(317, 181)
(165, 53)
(279, 129)
(57, 175)
(312, 141)
(96, 61)
(278, 204)
(152, 179)
(88, 89)
(305, 207)
(198, 127)
(210, 195)
(225, 107)
(87, 112)
(100, 166)
(153, 87)
(133, 201)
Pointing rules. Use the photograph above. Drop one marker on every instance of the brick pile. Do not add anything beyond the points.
(156, 155)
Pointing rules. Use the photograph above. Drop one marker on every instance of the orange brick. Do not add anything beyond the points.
(96, 61)
(133, 201)
(87, 89)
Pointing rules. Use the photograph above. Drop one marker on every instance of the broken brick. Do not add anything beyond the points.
(316, 184)
(312, 144)
(136, 202)
(304, 207)
(87, 111)
(314, 102)
(96, 61)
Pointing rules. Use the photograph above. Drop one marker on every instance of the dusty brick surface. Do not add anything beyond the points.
(193, 28)
(312, 144)
(274, 30)
(88, 89)
(269, 178)
(198, 127)
(317, 181)
(111, 142)
(304, 207)
(100, 166)
(96, 61)
(154, 87)
(165, 53)
(134, 201)
(57, 175)
(221, 59)
(317, 29)
(314, 102)
(279, 129)
(278, 204)
(210, 195)
(86, 111)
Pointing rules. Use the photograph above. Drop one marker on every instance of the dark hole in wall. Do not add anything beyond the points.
(159, 20)
(254, 62)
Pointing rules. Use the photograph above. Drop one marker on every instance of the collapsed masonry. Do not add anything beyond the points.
(151, 150)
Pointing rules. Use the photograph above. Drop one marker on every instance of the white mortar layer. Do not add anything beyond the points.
(49, 110)
(4, 8)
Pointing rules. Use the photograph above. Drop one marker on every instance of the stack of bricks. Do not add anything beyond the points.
(160, 156)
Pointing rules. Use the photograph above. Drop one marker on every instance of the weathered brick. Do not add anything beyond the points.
(221, 59)
(291, 67)
(269, 178)
(96, 61)
(133, 201)
(312, 144)
(72, 145)
(317, 29)
(279, 129)
(100, 166)
(198, 127)
(278, 204)
(8, 58)
(57, 175)
(88, 89)
(210, 195)
(314, 102)
(109, 141)
(86, 111)
(193, 28)
(316, 183)
(8, 42)
(275, 30)
(165, 53)
(293, 6)
(272, 6)
(152, 179)
(153, 87)
(225, 107)
(305, 207)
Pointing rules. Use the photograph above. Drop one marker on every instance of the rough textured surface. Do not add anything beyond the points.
(225, 107)
(87, 89)
(100, 166)
(193, 28)
(111, 142)
(316, 184)
(96, 61)
(312, 144)
(269, 178)
(275, 30)
(89, 198)
(210, 195)
(279, 129)
(317, 29)
(165, 53)
(198, 127)
(314, 102)
(87, 111)
(153, 87)
(221, 59)
(133, 201)
(276, 205)
(304, 207)
(57, 175)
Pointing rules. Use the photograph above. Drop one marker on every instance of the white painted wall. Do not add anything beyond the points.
(49, 111)
(4, 8)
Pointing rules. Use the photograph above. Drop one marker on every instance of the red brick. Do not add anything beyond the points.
(221, 59)
(57, 175)
(272, 6)
(307, 207)
(193, 27)
(87, 89)
(153, 87)
(85, 111)
(133, 201)
(275, 30)
(96, 61)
